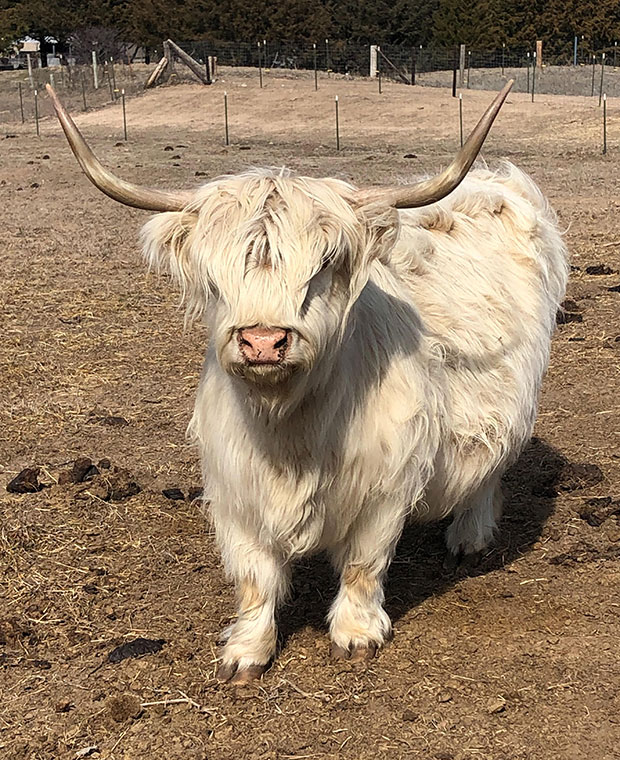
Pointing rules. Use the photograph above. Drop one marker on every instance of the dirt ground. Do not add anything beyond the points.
(519, 659)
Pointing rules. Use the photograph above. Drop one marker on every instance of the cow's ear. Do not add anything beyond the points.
(380, 230)
(167, 246)
(381, 224)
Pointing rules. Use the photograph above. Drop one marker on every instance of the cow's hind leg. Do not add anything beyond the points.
(261, 580)
(358, 623)
(474, 525)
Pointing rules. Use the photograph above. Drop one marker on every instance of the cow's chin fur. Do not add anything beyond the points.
(268, 376)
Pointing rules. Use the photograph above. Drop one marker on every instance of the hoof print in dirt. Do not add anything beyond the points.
(174, 494)
(121, 484)
(599, 269)
(576, 475)
(136, 648)
(111, 420)
(27, 481)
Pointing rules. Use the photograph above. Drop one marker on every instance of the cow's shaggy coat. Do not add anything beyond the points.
(420, 340)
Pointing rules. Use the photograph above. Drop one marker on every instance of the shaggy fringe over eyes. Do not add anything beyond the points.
(239, 227)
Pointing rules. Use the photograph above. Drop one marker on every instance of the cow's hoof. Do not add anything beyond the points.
(230, 673)
(359, 653)
(461, 562)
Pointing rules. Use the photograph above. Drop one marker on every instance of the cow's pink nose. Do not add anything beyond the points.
(264, 345)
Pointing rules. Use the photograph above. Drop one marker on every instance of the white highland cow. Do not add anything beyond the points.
(375, 355)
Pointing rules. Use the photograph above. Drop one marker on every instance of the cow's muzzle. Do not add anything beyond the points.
(264, 345)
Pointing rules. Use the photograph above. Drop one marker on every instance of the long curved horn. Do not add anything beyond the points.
(433, 190)
(116, 188)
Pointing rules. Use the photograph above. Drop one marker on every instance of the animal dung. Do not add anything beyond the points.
(174, 494)
(136, 648)
(83, 469)
(599, 269)
(27, 481)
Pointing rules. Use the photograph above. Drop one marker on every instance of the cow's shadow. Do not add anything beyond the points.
(417, 570)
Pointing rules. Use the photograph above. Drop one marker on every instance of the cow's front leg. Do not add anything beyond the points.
(260, 580)
(358, 623)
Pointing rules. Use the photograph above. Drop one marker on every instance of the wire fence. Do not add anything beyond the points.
(76, 84)
(432, 67)
(594, 73)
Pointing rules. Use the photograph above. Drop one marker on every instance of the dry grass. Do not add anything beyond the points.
(517, 661)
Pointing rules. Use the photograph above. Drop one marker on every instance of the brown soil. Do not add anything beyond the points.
(519, 659)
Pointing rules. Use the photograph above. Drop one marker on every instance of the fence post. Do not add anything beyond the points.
(539, 53)
(604, 123)
(454, 82)
(30, 77)
(413, 62)
(503, 57)
(528, 72)
(461, 65)
(21, 101)
(379, 67)
(534, 76)
(36, 111)
(337, 125)
(83, 88)
(600, 89)
(468, 67)
(110, 87)
(95, 72)
(593, 73)
(227, 142)
(316, 74)
(327, 62)
(373, 61)
(124, 114)
(260, 68)
(575, 43)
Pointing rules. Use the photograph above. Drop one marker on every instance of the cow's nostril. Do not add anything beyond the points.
(281, 343)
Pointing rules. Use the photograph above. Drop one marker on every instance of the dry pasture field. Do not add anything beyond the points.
(517, 659)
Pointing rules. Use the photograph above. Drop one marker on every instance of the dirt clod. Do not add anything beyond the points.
(27, 481)
(63, 706)
(124, 707)
(497, 705)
